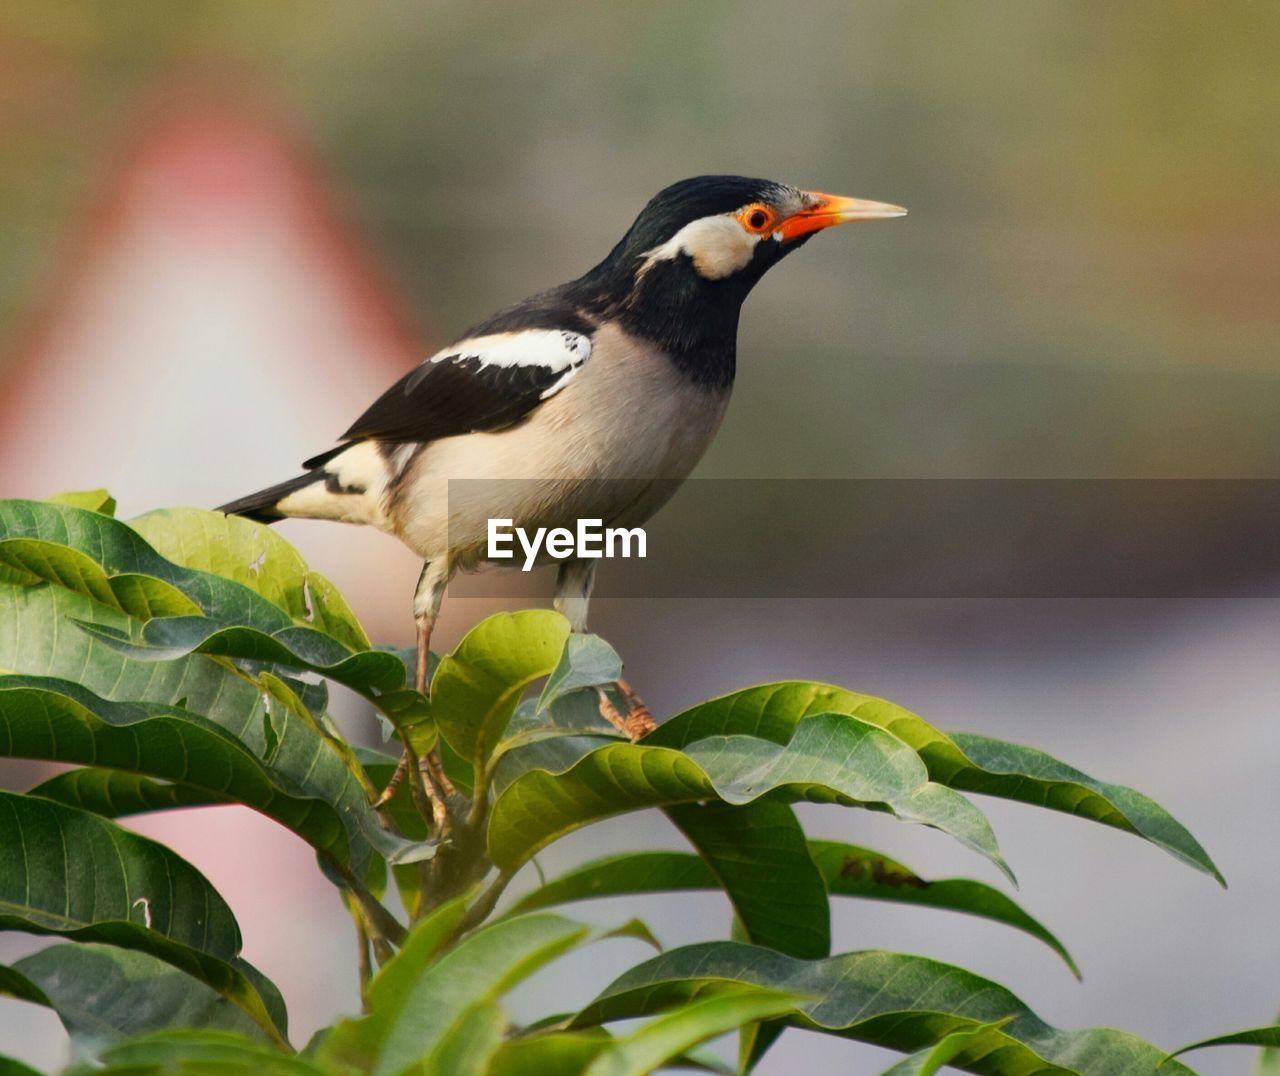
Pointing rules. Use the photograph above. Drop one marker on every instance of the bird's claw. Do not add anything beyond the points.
(388, 793)
(436, 798)
(635, 723)
(639, 722)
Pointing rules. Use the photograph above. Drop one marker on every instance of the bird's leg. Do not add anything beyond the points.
(419, 681)
(574, 581)
(426, 604)
(434, 782)
(573, 595)
(434, 764)
(397, 778)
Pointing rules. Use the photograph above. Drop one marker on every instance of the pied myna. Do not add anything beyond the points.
(621, 374)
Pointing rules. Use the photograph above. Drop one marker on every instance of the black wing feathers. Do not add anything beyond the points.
(460, 392)
(550, 310)
(451, 396)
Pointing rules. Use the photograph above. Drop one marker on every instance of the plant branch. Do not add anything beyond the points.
(383, 927)
(479, 911)
(480, 797)
(362, 956)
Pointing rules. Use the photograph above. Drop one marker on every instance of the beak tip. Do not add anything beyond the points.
(855, 209)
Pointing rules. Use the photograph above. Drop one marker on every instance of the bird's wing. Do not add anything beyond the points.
(481, 383)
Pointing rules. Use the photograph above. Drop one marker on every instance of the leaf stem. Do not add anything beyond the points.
(383, 927)
(479, 911)
(480, 797)
(365, 967)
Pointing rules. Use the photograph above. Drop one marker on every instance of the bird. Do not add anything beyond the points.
(593, 399)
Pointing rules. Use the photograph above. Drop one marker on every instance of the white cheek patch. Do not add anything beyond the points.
(719, 247)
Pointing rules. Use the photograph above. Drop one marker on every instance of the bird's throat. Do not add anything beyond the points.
(693, 321)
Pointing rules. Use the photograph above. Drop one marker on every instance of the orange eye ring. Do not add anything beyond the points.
(757, 218)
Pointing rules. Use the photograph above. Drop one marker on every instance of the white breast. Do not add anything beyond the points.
(628, 414)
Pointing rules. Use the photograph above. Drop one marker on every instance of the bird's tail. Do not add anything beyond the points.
(262, 506)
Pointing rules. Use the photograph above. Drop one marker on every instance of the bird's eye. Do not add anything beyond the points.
(756, 218)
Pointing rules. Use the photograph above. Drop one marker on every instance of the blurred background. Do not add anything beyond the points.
(228, 225)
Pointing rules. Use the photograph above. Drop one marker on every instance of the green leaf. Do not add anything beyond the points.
(70, 538)
(36, 638)
(549, 1053)
(578, 711)
(848, 871)
(14, 984)
(84, 552)
(408, 877)
(624, 874)
(142, 596)
(1023, 773)
(419, 1005)
(552, 750)
(62, 722)
(772, 711)
(477, 687)
(103, 994)
(890, 999)
(257, 556)
(758, 855)
(1255, 1036)
(198, 1053)
(705, 1017)
(42, 718)
(70, 873)
(1268, 1061)
(555, 1052)
(467, 1047)
(829, 760)
(586, 661)
(56, 564)
(397, 978)
(11, 1067)
(928, 1061)
(852, 871)
(371, 673)
(93, 500)
(572, 721)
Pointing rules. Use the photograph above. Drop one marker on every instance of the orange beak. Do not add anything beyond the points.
(831, 209)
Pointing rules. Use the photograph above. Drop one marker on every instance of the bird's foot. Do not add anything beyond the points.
(439, 812)
(639, 723)
(633, 724)
(436, 768)
(388, 793)
(431, 772)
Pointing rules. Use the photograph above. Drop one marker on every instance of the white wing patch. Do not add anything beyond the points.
(556, 349)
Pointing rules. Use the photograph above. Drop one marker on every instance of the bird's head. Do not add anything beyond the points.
(721, 227)
(700, 245)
